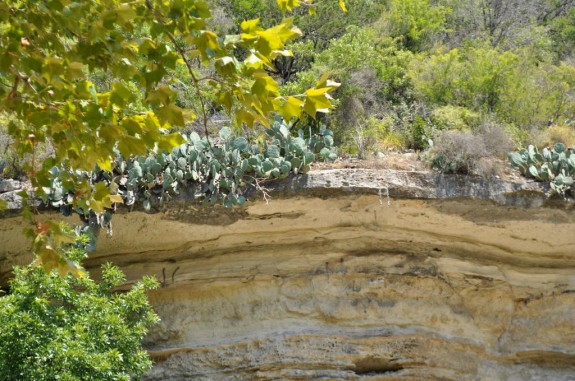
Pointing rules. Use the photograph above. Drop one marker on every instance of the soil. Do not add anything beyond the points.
(416, 161)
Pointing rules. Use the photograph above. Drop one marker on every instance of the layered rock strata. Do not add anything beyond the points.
(336, 281)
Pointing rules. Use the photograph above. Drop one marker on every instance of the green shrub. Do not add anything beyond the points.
(415, 22)
(67, 328)
(455, 118)
(456, 151)
(368, 135)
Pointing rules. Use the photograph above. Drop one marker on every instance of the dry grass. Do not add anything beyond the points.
(490, 167)
(390, 160)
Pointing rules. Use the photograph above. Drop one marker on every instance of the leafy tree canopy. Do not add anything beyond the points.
(51, 52)
(67, 328)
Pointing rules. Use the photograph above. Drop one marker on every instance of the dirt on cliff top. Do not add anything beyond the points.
(416, 161)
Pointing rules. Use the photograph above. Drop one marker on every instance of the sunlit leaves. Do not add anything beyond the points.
(267, 41)
(290, 107)
(56, 327)
(49, 240)
(287, 5)
(50, 56)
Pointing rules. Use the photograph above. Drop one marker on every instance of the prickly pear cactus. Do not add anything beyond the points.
(555, 165)
(216, 169)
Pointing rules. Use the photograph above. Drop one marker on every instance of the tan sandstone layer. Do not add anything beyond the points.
(350, 288)
(346, 287)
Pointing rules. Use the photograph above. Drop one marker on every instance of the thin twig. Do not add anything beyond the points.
(260, 188)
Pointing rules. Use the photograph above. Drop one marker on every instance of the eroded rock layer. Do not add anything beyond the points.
(351, 287)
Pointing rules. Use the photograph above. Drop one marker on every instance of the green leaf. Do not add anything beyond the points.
(121, 95)
(197, 141)
(325, 153)
(130, 145)
(533, 171)
(182, 163)
(240, 144)
(163, 95)
(267, 166)
(273, 152)
(559, 148)
(225, 133)
(171, 114)
(309, 158)
(296, 162)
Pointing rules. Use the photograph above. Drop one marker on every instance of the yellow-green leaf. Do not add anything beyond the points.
(116, 198)
(162, 95)
(47, 257)
(100, 191)
(130, 145)
(323, 79)
(75, 70)
(275, 37)
(105, 164)
(244, 117)
(317, 92)
(169, 142)
(206, 40)
(250, 26)
(253, 61)
(171, 114)
(264, 85)
(290, 108)
(225, 99)
(287, 5)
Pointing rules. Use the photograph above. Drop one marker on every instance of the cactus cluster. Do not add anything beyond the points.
(555, 165)
(215, 170)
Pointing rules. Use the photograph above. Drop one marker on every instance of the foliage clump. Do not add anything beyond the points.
(469, 152)
(72, 328)
(555, 165)
(213, 169)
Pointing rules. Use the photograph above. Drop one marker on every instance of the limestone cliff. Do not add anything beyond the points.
(450, 278)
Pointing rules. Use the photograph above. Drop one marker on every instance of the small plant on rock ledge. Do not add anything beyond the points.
(555, 165)
(217, 169)
(470, 152)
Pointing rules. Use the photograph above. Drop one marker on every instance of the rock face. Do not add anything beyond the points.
(333, 280)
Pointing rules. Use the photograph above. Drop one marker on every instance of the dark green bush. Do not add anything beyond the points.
(67, 328)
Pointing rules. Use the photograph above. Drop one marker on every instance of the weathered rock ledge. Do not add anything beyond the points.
(453, 279)
(420, 185)
(387, 182)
